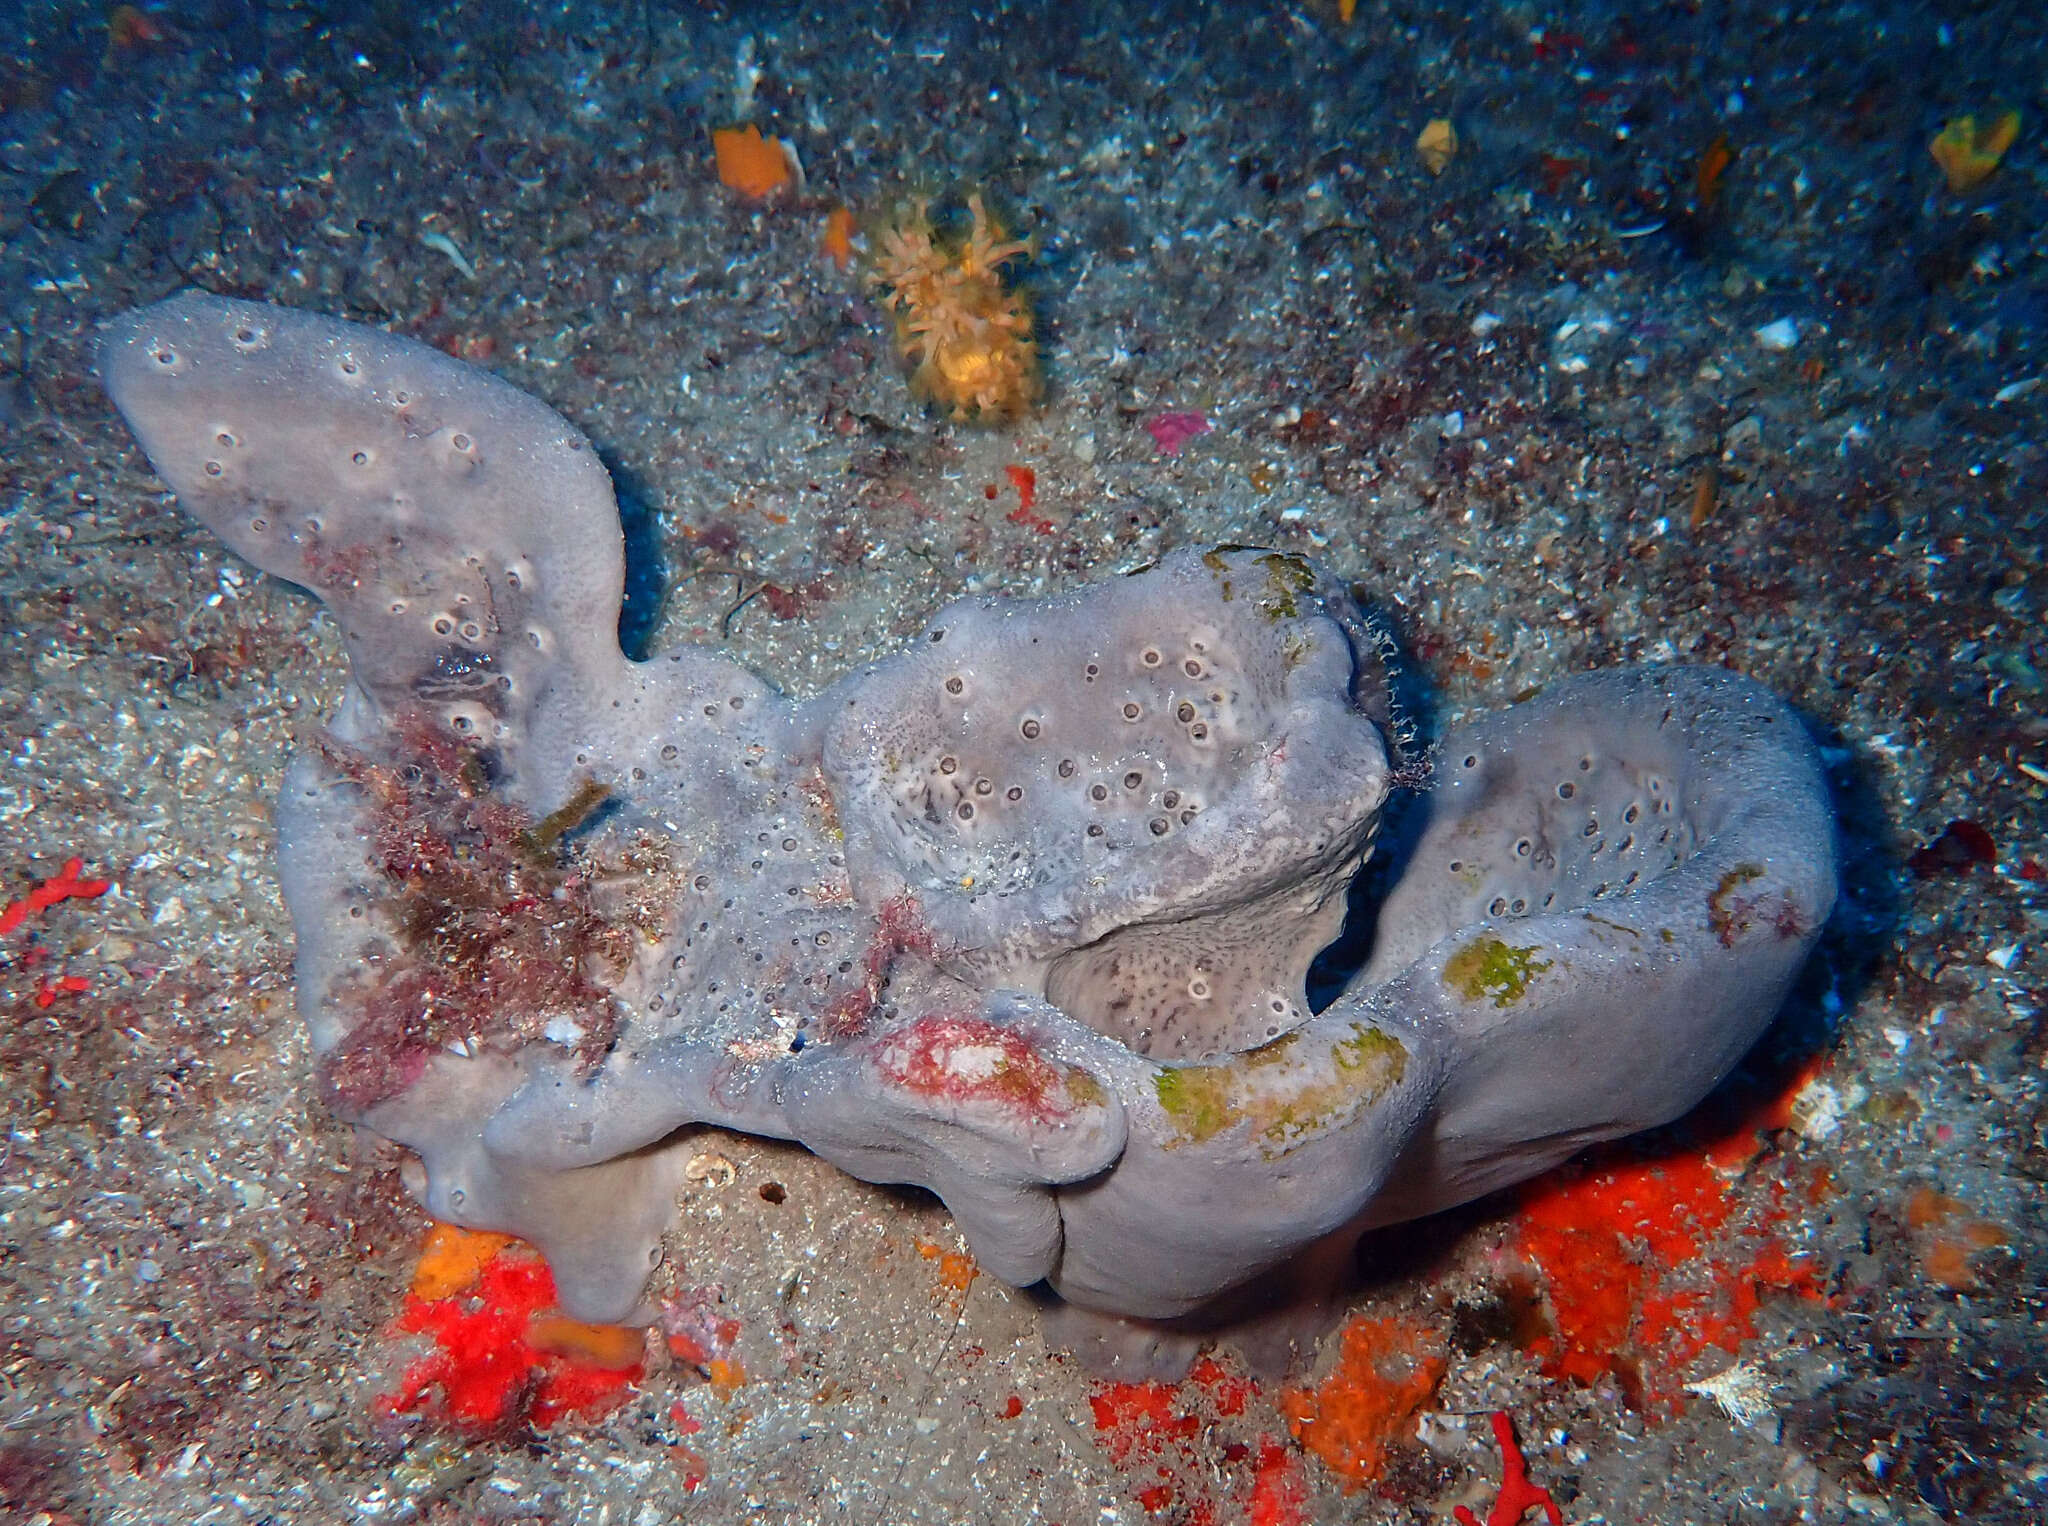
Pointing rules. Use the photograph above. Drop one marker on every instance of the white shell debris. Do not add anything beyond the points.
(711, 1169)
(446, 245)
(1819, 1108)
(1742, 1393)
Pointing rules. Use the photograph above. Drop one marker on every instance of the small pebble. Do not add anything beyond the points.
(1779, 336)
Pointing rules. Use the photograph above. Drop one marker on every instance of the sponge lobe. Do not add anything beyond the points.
(1618, 882)
(460, 530)
(1141, 799)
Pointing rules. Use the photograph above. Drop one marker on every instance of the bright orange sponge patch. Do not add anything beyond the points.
(453, 1259)
(1387, 1369)
(504, 1358)
(837, 239)
(1947, 1247)
(754, 166)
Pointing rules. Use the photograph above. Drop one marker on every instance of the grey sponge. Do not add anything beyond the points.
(1023, 914)
(1144, 806)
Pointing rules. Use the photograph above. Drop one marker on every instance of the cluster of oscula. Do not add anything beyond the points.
(1023, 914)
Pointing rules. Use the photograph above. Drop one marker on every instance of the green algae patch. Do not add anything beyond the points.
(1368, 1049)
(1197, 1099)
(1204, 1100)
(1282, 1093)
(1288, 577)
(1490, 966)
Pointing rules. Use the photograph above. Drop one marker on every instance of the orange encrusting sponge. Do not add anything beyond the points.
(1387, 1370)
(965, 335)
(504, 1360)
(755, 166)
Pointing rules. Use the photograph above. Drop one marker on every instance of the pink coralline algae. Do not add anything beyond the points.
(1170, 431)
(966, 1059)
(1022, 914)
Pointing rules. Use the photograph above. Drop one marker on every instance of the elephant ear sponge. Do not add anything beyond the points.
(965, 335)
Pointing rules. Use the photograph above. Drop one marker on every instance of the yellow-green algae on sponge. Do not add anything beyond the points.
(1280, 1090)
(1489, 966)
(1287, 578)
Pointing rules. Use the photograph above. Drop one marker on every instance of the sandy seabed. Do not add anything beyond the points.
(1689, 351)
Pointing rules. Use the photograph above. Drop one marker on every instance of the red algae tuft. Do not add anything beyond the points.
(1025, 481)
(900, 928)
(1279, 1496)
(1170, 431)
(1963, 846)
(698, 1330)
(1139, 1419)
(47, 991)
(497, 927)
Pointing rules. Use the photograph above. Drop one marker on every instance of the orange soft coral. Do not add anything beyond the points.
(965, 335)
